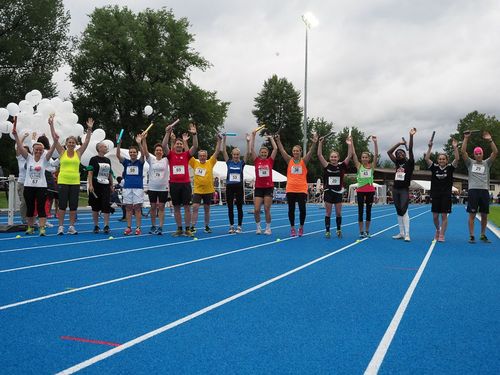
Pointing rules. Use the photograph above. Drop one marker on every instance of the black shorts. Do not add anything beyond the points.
(206, 198)
(68, 194)
(102, 199)
(332, 197)
(441, 203)
(180, 193)
(263, 192)
(157, 196)
(478, 201)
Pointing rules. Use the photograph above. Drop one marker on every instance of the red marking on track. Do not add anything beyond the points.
(99, 342)
(402, 268)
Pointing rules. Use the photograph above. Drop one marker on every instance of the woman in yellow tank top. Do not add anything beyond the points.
(69, 175)
(296, 183)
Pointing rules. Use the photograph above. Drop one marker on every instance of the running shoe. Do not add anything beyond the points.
(42, 231)
(96, 229)
(258, 230)
(178, 233)
(398, 236)
(60, 230)
(138, 231)
(30, 231)
(207, 229)
(159, 231)
(301, 231)
(484, 238)
(49, 225)
(231, 230)
(72, 230)
(188, 233)
(367, 234)
(193, 229)
(106, 229)
(361, 234)
(328, 234)
(293, 233)
(407, 238)
(238, 230)
(152, 230)
(339, 233)
(268, 231)
(440, 238)
(128, 231)
(472, 239)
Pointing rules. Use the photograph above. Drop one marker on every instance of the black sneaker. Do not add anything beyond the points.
(96, 229)
(472, 239)
(192, 229)
(207, 229)
(152, 230)
(484, 238)
(106, 229)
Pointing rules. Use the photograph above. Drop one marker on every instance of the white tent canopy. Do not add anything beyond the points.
(425, 185)
(380, 193)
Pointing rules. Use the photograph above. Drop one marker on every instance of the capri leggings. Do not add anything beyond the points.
(68, 193)
(300, 198)
(401, 200)
(363, 198)
(35, 196)
(234, 191)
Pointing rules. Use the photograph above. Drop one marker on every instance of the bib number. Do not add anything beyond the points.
(367, 173)
(200, 172)
(400, 176)
(334, 181)
(103, 175)
(178, 169)
(132, 170)
(264, 172)
(234, 177)
(477, 168)
(296, 169)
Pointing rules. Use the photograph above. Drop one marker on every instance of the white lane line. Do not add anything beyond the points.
(49, 296)
(46, 264)
(187, 318)
(492, 227)
(383, 347)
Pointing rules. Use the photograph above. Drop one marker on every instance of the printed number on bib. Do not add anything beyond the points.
(297, 169)
(366, 173)
(200, 172)
(132, 170)
(103, 175)
(35, 177)
(334, 180)
(264, 172)
(178, 169)
(400, 176)
(478, 168)
(234, 177)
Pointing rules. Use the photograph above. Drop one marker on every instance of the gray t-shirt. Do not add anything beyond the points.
(479, 173)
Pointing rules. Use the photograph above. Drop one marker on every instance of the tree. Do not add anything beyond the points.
(476, 121)
(322, 128)
(125, 61)
(277, 106)
(34, 42)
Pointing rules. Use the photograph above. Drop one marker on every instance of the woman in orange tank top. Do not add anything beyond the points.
(296, 183)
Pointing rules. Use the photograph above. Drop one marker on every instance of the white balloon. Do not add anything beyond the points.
(36, 96)
(79, 131)
(148, 110)
(57, 103)
(74, 130)
(86, 157)
(6, 127)
(4, 114)
(67, 107)
(109, 144)
(13, 109)
(24, 119)
(25, 106)
(98, 135)
(72, 118)
(12, 136)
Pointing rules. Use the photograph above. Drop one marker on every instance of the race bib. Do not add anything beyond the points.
(400, 176)
(35, 175)
(234, 177)
(200, 172)
(333, 180)
(264, 172)
(132, 170)
(366, 173)
(103, 175)
(178, 169)
(156, 174)
(296, 169)
(478, 168)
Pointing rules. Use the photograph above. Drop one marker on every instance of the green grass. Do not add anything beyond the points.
(494, 215)
(3, 200)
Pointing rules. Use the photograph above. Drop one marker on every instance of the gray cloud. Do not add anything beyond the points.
(383, 65)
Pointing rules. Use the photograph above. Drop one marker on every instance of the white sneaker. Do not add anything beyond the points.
(238, 230)
(60, 230)
(231, 230)
(258, 230)
(72, 230)
(398, 236)
(49, 225)
(407, 238)
(267, 231)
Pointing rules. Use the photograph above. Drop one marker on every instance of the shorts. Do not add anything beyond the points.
(180, 193)
(157, 196)
(133, 196)
(332, 197)
(103, 200)
(263, 192)
(68, 194)
(206, 198)
(441, 203)
(478, 201)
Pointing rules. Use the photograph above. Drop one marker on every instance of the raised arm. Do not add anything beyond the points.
(90, 125)
(427, 156)
(52, 149)
(390, 152)
(144, 145)
(456, 155)
(353, 153)
(275, 147)
(217, 147)
(348, 141)
(118, 152)
(375, 149)
(224, 151)
(59, 147)
(166, 138)
(20, 147)
(252, 145)
(311, 149)
(321, 158)
(413, 131)
(465, 156)
(494, 150)
(25, 135)
(138, 139)
(247, 154)
(282, 149)
(194, 147)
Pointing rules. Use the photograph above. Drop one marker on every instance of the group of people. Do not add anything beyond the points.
(169, 175)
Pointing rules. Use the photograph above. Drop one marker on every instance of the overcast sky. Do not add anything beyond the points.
(381, 65)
